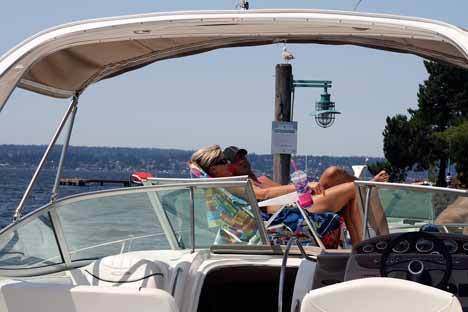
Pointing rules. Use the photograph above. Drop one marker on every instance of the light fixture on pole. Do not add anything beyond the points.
(325, 111)
(324, 108)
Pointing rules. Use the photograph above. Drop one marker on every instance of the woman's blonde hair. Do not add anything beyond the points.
(207, 156)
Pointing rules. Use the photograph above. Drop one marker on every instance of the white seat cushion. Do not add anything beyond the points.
(124, 270)
(41, 297)
(378, 294)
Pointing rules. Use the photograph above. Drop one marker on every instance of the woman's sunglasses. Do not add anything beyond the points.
(222, 161)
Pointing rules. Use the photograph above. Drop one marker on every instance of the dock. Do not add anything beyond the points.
(86, 182)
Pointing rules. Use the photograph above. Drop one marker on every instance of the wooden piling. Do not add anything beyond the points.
(283, 89)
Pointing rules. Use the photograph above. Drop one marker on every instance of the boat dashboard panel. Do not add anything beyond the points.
(368, 253)
(457, 244)
(434, 259)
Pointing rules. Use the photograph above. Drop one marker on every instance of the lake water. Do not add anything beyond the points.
(13, 183)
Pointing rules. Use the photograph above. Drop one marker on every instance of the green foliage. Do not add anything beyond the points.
(442, 104)
(457, 140)
(397, 140)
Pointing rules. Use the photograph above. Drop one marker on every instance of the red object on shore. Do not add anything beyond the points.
(140, 176)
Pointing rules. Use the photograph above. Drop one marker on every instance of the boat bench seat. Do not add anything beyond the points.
(124, 270)
(20, 296)
(379, 294)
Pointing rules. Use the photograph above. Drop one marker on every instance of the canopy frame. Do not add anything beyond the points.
(99, 49)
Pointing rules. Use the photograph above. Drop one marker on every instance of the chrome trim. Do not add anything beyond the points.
(465, 246)
(254, 205)
(65, 254)
(192, 219)
(123, 241)
(61, 241)
(163, 219)
(366, 212)
(103, 193)
(25, 272)
(418, 247)
(18, 210)
(53, 197)
(188, 180)
(421, 188)
(403, 250)
(416, 272)
(312, 229)
(383, 244)
(368, 248)
(454, 225)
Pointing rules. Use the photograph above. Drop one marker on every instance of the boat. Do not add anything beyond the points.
(164, 247)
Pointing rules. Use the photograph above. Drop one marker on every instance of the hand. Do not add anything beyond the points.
(382, 176)
(316, 188)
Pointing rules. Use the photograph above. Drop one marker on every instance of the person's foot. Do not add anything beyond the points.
(382, 176)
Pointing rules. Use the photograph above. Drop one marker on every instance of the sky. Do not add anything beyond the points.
(224, 96)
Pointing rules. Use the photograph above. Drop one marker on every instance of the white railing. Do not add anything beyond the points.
(52, 209)
(369, 187)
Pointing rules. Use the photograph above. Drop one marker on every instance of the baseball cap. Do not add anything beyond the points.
(231, 152)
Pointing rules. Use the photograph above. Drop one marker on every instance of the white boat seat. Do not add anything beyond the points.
(379, 294)
(124, 270)
(41, 297)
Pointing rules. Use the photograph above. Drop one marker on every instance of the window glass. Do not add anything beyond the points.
(405, 210)
(31, 245)
(110, 225)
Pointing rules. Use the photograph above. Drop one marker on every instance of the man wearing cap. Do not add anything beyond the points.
(240, 163)
(340, 198)
(332, 176)
(266, 188)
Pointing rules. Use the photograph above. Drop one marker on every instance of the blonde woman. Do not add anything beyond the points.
(339, 198)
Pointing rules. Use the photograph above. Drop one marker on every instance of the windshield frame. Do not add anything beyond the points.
(53, 207)
(369, 186)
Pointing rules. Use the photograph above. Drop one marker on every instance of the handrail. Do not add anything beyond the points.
(369, 185)
(103, 193)
(413, 187)
(52, 208)
(100, 245)
(42, 162)
(158, 180)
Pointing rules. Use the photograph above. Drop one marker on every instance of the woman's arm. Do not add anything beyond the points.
(271, 192)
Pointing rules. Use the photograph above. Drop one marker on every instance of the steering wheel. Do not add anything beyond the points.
(415, 264)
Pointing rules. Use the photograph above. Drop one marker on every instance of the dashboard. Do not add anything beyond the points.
(368, 252)
(404, 253)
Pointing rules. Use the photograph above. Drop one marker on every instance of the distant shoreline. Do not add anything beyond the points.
(163, 162)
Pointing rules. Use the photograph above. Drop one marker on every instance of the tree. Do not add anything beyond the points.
(442, 104)
(457, 140)
(397, 140)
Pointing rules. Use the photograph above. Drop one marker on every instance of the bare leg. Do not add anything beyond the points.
(341, 198)
(333, 176)
(353, 220)
(334, 199)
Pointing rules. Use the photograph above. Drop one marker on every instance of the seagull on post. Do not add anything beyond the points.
(287, 56)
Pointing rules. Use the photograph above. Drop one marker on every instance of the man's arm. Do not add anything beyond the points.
(265, 193)
(271, 192)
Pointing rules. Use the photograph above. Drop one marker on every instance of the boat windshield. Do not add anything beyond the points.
(94, 225)
(396, 208)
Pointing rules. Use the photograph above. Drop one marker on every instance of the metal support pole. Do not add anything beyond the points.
(283, 89)
(66, 143)
(192, 219)
(366, 212)
(17, 214)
